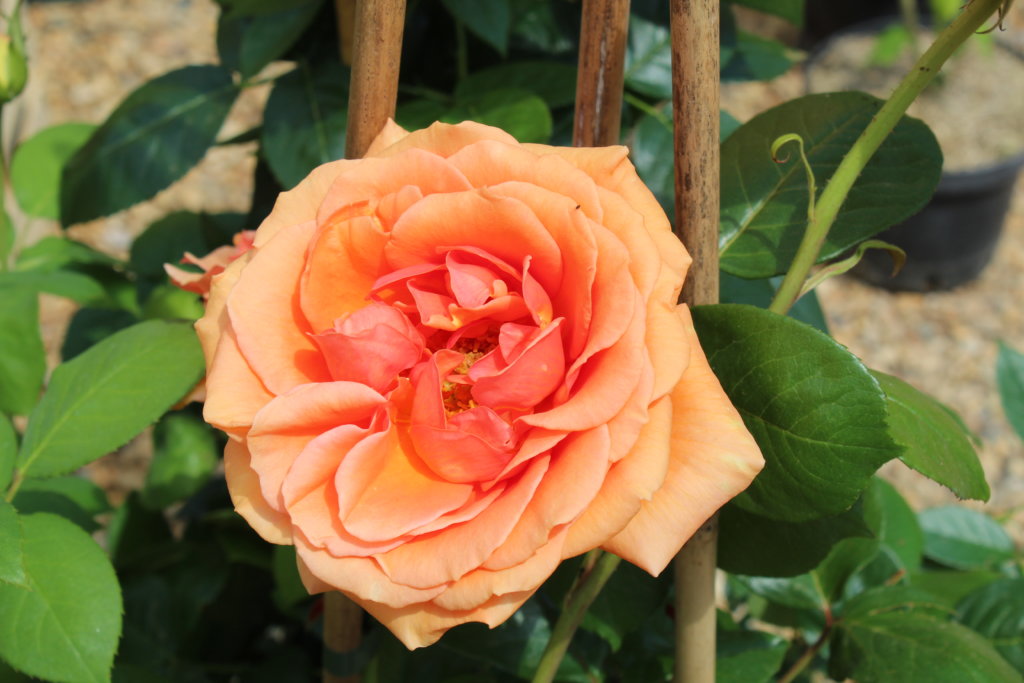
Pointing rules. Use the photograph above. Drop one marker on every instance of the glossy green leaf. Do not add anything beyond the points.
(65, 625)
(651, 150)
(790, 10)
(764, 203)
(759, 546)
(74, 498)
(748, 656)
(844, 561)
(997, 612)
(78, 287)
(757, 59)
(1010, 377)
(648, 68)
(159, 132)
(624, 604)
(7, 236)
(814, 409)
(90, 326)
(727, 125)
(553, 82)
(964, 539)
(185, 454)
(37, 164)
(304, 122)
(913, 646)
(54, 253)
(935, 442)
(523, 115)
(737, 290)
(893, 522)
(489, 20)
(8, 451)
(22, 356)
(799, 592)
(884, 599)
(249, 40)
(166, 241)
(108, 394)
(167, 302)
(950, 586)
(12, 564)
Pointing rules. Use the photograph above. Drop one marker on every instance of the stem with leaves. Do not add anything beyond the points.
(838, 188)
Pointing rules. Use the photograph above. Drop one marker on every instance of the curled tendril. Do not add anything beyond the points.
(1001, 12)
(812, 190)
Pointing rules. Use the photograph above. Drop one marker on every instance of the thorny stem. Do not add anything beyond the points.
(597, 568)
(832, 197)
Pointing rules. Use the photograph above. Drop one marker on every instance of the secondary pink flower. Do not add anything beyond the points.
(449, 365)
(209, 265)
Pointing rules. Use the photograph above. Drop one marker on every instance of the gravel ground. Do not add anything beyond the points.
(87, 55)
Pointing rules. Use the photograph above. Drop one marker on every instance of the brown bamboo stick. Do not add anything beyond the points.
(375, 60)
(345, 12)
(695, 94)
(375, 41)
(599, 82)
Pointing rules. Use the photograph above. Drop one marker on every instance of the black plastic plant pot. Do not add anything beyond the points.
(953, 238)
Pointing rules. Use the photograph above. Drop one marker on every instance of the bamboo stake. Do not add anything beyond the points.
(375, 60)
(599, 81)
(695, 93)
(376, 46)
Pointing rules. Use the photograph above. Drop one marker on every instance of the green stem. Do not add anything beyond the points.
(838, 187)
(583, 592)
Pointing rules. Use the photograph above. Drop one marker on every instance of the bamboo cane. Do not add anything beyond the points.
(375, 59)
(599, 81)
(695, 93)
(376, 42)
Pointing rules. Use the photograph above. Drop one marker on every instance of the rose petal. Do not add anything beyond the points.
(713, 458)
(300, 204)
(444, 139)
(244, 487)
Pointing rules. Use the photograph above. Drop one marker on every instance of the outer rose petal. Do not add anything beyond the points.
(244, 487)
(300, 204)
(442, 139)
(713, 459)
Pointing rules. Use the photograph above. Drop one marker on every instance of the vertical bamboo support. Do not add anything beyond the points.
(695, 93)
(375, 59)
(599, 82)
(376, 49)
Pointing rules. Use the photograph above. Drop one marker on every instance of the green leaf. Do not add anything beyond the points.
(950, 587)
(78, 287)
(737, 290)
(553, 82)
(790, 10)
(935, 442)
(54, 253)
(748, 656)
(167, 302)
(1010, 377)
(799, 592)
(651, 150)
(489, 20)
(523, 115)
(914, 646)
(76, 499)
(814, 409)
(759, 546)
(248, 39)
(151, 140)
(757, 59)
(846, 559)
(166, 241)
(185, 454)
(964, 539)
(997, 612)
(304, 122)
(893, 522)
(89, 326)
(22, 356)
(12, 565)
(764, 204)
(108, 394)
(727, 125)
(65, 626)
(7, 235)
(648, 68)
(37, 164)
(288, 588)
(885, 599)
(624, 604)
(8, 451)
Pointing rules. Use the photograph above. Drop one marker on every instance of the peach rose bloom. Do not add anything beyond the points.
(448, 366)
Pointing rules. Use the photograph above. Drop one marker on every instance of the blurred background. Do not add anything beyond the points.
(86, 55)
